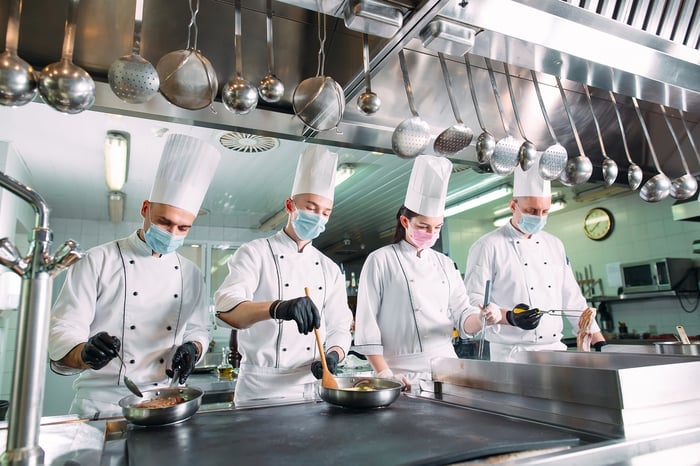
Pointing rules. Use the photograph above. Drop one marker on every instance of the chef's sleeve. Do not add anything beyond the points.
(368, 337)
(244, 269)
(478, 271)
(198, 325)
(458, 303)
(74, 309)
(337, 315)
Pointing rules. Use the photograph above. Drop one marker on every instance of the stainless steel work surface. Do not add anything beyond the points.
(412, 431)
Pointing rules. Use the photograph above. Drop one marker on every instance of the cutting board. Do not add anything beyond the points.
(411, 431)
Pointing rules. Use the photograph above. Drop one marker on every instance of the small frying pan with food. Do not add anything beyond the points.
(361, 392)
(161, 406)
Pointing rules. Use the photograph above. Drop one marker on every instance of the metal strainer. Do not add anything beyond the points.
(412, 135)
(131, 77)
(458, 136)
(187, 78)
(554, 157)
(319, 102)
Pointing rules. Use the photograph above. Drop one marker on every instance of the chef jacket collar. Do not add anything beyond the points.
(515, 234)
(289, 243)
(139, 245)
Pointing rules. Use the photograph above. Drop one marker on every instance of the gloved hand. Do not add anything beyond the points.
(524, 317)
(598, 345)
(302, 310)
(400, 378)
(184, 360)
(100, 349)
(332, 358)
(491, 314)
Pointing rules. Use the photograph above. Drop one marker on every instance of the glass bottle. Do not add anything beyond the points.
(225, 369)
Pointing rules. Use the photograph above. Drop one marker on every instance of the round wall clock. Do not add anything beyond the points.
(598, 223)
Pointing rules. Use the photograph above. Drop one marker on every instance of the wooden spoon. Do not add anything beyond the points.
(327, 380)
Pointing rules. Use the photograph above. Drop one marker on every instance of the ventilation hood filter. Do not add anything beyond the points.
(248, 143)
(448, 37)
(372, 17)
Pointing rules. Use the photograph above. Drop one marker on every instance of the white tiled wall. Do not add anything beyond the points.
(642, 231)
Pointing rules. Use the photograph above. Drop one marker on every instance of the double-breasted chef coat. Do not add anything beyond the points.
(408, 307)
(275, 357)
(534, 271)
(152, 304)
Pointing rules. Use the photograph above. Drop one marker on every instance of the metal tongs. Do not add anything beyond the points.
(563, 312)
(487, 301)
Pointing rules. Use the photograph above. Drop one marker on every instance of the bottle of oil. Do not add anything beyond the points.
(225, 369)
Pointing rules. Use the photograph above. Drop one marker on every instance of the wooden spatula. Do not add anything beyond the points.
(327, 380)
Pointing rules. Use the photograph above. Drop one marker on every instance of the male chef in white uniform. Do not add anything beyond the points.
(526, 266)
(136, 297)
(263, 296)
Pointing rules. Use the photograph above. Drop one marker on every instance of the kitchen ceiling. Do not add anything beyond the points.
(581, 44)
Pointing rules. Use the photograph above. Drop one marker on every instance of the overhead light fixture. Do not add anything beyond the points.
(115, 206)
(344, 172)
(556, 206)
(478, 201)
(116, 152)
(486, 182)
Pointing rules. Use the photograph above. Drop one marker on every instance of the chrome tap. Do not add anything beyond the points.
(37, 271)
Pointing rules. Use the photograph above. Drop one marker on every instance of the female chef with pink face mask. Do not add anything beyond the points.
(411, 297)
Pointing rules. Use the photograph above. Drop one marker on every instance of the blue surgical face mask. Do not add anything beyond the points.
(308, 225)
(531, 224)
(161, 241)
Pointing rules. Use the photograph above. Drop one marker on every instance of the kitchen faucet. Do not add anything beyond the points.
(37, 271)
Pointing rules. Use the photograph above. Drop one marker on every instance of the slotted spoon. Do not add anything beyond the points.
(609, 165)
(578, 169)
(685, 185)
(527, 152)
(458, 136)
(412, 135)
(506, 153)
(658, 186)
(634, 171)
(553, 159)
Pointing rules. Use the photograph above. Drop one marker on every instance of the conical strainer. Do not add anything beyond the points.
(131, 77)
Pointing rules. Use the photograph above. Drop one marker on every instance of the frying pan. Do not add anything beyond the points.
(361, 392)
(161, 416)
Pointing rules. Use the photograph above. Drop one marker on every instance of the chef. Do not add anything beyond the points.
(264, 295)
(528, 268)
(411, 297)
(136, 297)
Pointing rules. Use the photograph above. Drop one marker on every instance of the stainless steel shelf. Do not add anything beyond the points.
(633, 296)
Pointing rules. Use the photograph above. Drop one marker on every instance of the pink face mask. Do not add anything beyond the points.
(422, 239)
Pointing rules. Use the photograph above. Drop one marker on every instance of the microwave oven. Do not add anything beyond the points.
(664, 274)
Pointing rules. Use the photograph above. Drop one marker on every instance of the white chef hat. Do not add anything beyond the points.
(316, 172)
(427, 187)
(530, 184)
(186, 168)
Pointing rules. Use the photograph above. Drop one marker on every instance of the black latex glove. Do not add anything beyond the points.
(598, 345)
(100, 349)
(332, 358)
(301, 310)
(524, 317)
(184, 360)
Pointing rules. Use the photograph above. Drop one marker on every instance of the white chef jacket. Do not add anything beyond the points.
(407, 308)
(534, 271)
(152, 304)
(275, 357)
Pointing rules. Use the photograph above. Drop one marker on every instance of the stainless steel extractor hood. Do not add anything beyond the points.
(688, 209)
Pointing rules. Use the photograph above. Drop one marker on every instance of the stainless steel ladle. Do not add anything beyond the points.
(485, 143)
(18, 83)
(527, 152)
(553, 159)
(685, 185)
(609, 165)
(634, 171)
(658, 186)
(578, 169)
(690, 136)
(238, 95)
(271, 88)
(368, 102)
(505, 155)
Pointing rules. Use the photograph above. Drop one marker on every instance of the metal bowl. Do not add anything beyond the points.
(161, 416)
(674, 347)
(377, 394)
